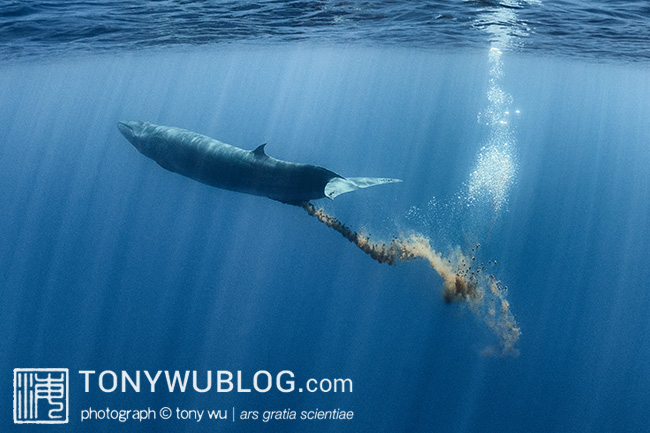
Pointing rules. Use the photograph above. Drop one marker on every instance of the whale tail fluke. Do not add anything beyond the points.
(341, 185)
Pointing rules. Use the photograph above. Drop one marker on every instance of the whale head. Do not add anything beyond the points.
(138, 133)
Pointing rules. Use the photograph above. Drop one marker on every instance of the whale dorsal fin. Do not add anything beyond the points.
(259, 150)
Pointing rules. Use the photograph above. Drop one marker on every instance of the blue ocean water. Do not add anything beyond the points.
(519, 125)
(576, 28)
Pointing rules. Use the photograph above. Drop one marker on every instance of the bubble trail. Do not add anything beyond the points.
(462, 281)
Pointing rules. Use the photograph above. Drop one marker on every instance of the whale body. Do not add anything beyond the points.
(222, 165)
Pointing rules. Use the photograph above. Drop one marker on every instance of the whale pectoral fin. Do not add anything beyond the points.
(259, 150)
(340, 185)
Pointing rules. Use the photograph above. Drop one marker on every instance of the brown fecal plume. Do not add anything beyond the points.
(462, 282)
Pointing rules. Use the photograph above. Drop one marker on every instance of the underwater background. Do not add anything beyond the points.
(519, 125)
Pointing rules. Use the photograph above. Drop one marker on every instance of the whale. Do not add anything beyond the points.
(228, 167)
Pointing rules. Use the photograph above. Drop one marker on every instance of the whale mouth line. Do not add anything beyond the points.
(122, 126)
